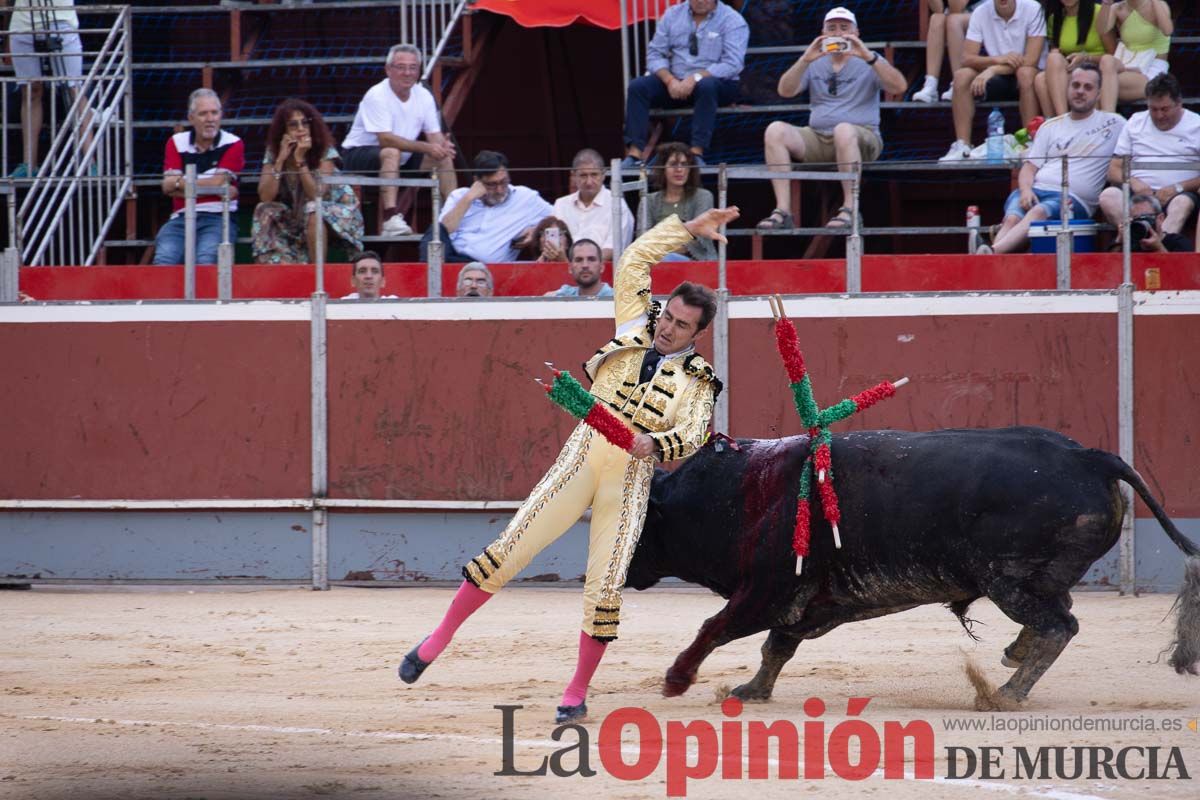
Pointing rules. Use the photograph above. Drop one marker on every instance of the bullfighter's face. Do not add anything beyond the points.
(677, 328)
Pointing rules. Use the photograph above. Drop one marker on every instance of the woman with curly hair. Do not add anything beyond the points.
(676, 179)
(299, 153)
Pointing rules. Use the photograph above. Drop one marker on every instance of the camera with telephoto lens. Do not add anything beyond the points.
(1140, 227)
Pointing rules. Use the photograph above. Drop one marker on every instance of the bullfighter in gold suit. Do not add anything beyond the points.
(650, 376)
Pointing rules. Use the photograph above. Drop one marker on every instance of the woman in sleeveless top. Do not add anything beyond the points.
(1145, 28)
(1073, 36)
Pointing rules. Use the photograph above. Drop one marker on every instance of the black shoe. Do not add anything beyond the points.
(571, 714)
(412, 666)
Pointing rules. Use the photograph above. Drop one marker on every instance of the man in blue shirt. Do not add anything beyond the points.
(586, 265)
(694, 59)
(490, 221)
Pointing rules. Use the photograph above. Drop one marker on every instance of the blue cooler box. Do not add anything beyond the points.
(1042, 235)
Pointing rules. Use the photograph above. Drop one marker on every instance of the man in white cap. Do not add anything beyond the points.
(843, 80)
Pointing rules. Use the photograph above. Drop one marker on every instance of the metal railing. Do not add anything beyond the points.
(636, 35)
(428, 24)
(225, 248)
(88, 169)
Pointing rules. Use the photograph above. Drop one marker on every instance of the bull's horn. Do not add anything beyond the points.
(900, 382)
(837, 538)
(799, 564)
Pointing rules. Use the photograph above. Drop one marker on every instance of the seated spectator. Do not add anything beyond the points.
(299, 153)
(1073, 36)
(585, 267)
(1164, 132)
(492, 221)
(588, 210)
(219, 156)
(367, 278)
(1144, 31)
(676, 182)
(694, 59)
(939, 38)
(384, 136)
(1087, 137)
(1146, 230)
(475, 280)
(1012, 34)
(551, 241)
(843, 85)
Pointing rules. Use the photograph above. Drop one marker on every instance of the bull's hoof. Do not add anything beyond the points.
(749, 693)
(675, 684)
(1002, 699)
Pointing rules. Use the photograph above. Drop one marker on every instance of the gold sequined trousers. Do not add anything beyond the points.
(588, 472)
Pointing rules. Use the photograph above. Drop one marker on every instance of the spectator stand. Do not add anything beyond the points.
(255, 54)
(780, 31)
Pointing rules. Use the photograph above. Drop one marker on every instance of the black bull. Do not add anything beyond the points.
(1016, 515)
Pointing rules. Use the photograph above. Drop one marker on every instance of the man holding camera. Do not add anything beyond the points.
(843, 80)
(1164, 132)
(44, 38)
(1146, 223)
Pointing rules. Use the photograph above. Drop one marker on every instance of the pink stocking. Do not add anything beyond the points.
(466, 602)
(590, 653)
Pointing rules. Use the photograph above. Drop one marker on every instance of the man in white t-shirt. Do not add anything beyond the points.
(1164, 132)
(367, 278)
(1087, 137)
(588, 211)
(44, 37)
(1012, 34)
(384, 138)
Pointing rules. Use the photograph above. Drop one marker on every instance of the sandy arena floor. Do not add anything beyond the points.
(293, 693)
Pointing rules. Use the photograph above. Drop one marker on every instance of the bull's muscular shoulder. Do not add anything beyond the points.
(697, 367)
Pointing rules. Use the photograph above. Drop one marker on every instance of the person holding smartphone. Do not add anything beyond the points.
(551, 241)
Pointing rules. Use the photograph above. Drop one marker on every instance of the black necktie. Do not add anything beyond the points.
(649, 365)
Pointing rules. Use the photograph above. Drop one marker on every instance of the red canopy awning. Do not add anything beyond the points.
(560, 13)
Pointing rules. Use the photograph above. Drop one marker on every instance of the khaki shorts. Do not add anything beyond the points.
(819, 146)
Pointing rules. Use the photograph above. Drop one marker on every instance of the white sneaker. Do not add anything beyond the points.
(395, 226)
(948, 95)
(984, 250)
(958, 151)
(928, 93)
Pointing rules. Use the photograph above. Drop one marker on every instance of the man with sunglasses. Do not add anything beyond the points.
(694, 59)
(492, 220)
(843, 80)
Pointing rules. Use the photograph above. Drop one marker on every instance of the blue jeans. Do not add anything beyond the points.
(168, 245)
(449, 254)
(1050, 201)
(649, 92)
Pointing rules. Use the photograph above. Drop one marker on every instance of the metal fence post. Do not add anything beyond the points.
(10, 275)
(189, 232)
(618, 197)
(1126, 245)
(225, 250)
(436, 251)
(1125, 429)
(854, 245)
(320, 442)
(721, 323)
(1063, 240)
(319, 256)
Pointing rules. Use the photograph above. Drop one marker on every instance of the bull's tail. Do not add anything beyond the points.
(1117, 468)
(1185, 650)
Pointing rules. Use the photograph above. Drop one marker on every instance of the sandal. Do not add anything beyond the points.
(842, 218)
(777, 220)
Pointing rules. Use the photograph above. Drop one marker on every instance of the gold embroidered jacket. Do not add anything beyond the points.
(675, 406)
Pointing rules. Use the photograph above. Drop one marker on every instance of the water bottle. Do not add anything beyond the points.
(973, 224)
(995, 137)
